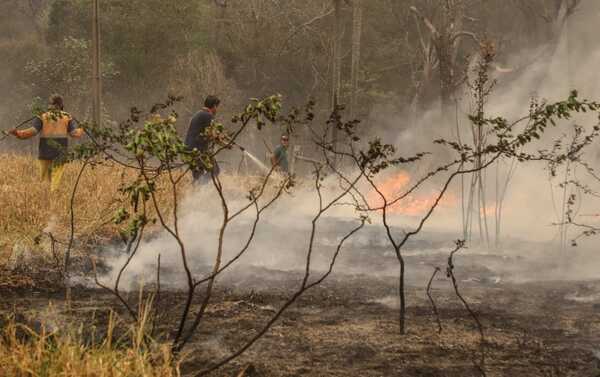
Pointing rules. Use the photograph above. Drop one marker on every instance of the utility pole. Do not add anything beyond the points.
(96, 79)
(356, 34)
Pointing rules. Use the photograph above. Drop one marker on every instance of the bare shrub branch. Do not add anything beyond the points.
(433, 305)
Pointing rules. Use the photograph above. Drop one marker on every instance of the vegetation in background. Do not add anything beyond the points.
(128, 178)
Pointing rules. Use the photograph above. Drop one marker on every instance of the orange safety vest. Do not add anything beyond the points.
(54, 136)
(55, 124)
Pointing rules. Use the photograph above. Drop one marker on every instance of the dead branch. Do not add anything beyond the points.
(131, 312)
(131, 253)
(72, 227)
(433, 306)
(463, 34)
(432, 29)
(53, 242)
(450, 273)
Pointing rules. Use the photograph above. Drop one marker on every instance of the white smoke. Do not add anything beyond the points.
(530, 210)
(533, 201)
(280, 242)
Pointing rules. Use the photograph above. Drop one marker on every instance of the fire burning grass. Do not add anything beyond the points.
(415, 204)
(418, 203)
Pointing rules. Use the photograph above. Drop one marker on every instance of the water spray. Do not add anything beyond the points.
(256, 161)
(252, 157)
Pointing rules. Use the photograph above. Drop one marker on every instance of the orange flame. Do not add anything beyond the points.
(415, 204)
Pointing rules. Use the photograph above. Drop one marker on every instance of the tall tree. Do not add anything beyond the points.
(446, 36)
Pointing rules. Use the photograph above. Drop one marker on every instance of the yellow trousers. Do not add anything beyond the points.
(51, 172)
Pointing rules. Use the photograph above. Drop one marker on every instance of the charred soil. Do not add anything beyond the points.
(348, 325)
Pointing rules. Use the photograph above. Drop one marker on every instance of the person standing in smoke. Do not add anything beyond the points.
(198, 139)
(54, 126)
(279, 159)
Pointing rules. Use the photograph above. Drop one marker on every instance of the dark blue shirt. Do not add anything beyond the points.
(195, 135)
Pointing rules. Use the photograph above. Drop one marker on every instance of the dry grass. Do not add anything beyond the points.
(24, 352)
(28, 208)
(29, 211)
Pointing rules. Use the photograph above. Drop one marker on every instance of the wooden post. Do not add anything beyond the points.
(96, 79)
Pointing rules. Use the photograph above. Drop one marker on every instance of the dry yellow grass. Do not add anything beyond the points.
(28, 209)
(67, 354)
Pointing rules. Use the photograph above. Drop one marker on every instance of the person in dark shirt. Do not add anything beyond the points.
(54, 127)
(279, 159)
(196, 138)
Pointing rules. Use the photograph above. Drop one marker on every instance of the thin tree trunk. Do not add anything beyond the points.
(336, 68)
(337, 54)
(446, 76)
(96, 83)
(483, 208)
(563, 226)
(497, 207)
(356, 39)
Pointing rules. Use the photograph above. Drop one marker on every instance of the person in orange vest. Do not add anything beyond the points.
(54, 126)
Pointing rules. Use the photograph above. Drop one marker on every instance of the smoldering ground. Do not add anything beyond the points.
(278, 247)
(527, 249)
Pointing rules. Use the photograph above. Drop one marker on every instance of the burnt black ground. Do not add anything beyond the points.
(534, 325)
